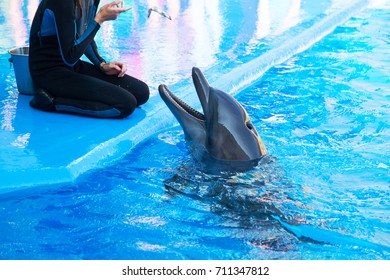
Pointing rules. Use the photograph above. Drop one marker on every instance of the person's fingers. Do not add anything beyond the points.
(119, 6)
(121, 67)
(115, 3)
(121, 10)
(117, 68)
(112, 69)
(123, 70)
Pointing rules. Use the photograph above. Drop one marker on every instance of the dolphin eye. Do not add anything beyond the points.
(249, 125)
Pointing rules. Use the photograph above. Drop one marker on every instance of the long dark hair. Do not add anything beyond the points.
(80, 7)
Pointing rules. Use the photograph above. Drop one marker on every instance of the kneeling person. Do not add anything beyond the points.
(68, 84)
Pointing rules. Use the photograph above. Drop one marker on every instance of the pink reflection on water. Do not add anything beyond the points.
(16, 22)
(158, 50)
(159, 42)
(206, 21)
(168, 49)
(31, 9)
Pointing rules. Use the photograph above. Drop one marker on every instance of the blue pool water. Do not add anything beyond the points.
(323, 112)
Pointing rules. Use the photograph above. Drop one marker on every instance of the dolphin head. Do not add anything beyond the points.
(224, 130)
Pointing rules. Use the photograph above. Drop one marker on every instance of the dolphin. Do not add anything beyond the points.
(224, 132)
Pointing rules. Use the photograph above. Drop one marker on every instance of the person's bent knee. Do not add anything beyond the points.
(125, 112)
(127, 106)
(143, 95)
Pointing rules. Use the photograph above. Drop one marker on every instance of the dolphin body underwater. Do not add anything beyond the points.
(223, 135)
(226, 139)
(271, 213)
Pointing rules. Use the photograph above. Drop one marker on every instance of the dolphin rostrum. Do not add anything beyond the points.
(223, 132)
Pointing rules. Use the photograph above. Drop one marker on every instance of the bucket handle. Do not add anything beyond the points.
(10, 62)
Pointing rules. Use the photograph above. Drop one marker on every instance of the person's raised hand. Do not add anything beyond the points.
(110, 11)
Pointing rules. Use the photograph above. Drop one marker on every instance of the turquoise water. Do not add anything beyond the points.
(323, 193)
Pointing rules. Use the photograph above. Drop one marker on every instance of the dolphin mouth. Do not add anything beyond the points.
(174, 100)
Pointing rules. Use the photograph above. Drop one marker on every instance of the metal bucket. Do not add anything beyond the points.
(19, 58)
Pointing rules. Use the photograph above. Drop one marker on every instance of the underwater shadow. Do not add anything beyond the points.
(259, 200)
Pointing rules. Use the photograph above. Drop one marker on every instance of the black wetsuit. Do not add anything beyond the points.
(58, 39)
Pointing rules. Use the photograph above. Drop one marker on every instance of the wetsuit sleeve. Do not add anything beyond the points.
(93, 54)
(71, 47)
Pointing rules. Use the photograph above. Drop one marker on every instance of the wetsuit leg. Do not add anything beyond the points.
(86, 90)
(136, 87)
